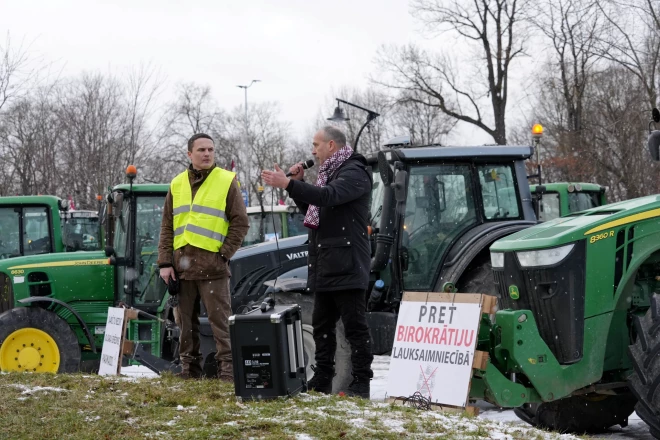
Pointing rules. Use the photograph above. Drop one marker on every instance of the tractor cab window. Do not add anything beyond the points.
(262, 229)
(148, 287)
(498, 191)
(9, 232)
(295, 224)
(549, 208)
(81, 231)
(377, 196)
(36, 231)
(440, 204)
(579, 201)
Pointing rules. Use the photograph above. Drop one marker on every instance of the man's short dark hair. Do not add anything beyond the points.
(196, 136)
(334, 134)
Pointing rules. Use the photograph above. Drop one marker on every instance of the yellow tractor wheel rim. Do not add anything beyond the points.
(29, 349)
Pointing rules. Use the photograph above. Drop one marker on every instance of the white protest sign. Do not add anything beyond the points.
(112, 341)
(434, 345)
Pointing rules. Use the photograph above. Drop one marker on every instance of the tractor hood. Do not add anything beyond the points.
(581, 225)
(19, 265)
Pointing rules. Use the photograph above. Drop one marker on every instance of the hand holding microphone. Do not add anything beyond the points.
(299, 167)
(278, 179)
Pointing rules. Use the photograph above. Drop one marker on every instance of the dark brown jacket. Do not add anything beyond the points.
(193, 263)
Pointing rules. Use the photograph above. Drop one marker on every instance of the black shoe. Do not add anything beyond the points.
(321, 382)
(360, 387)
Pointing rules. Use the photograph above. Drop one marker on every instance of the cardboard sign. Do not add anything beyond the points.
(434, 346)
(112, 342)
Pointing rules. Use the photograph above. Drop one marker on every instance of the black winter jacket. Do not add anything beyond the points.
(339, 250)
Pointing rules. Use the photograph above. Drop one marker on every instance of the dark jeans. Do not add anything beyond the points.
(351, 307)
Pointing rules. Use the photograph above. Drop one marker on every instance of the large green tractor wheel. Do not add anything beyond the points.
(590, 413)
(645, 358)
(34, 339)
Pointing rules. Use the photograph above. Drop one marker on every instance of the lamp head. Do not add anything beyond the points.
(338, 115)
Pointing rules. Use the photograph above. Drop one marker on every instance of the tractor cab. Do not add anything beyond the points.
(430, 203)
(552, 200)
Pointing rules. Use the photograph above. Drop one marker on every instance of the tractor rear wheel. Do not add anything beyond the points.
(591, 413)
(645, 378)
(34, 339)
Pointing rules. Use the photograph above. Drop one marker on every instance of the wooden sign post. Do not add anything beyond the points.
(434, 348)
(114, 340)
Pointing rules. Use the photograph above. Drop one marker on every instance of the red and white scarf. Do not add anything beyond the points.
(327, 168)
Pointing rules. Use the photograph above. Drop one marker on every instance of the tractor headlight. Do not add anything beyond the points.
(497, 259)
(544, 257)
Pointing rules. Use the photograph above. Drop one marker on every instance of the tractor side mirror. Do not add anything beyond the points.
(654, 144)
(399, 185)
(386, 174)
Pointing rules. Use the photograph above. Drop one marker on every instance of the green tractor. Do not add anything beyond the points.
(575, 345)
(58, 302)
(31, 225)
(554, 200)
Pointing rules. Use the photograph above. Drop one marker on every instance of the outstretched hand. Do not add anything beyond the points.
(276, 178)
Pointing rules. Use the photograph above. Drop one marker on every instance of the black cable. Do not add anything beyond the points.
(417, 400)
(277, 242)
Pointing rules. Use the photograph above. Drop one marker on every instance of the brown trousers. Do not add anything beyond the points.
(215, 295)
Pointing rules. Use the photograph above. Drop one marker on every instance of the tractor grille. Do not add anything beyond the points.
(555, 296)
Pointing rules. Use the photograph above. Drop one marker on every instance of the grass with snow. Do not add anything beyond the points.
(35, 406)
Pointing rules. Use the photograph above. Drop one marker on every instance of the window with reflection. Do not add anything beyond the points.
(549, 207)
(10, 240)
(440, 204)
(498, 191)
(36, 231)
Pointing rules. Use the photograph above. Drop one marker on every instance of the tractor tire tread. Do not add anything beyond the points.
(645, 378)
(49, 322)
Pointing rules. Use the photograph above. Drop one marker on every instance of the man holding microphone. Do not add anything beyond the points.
(336, 213)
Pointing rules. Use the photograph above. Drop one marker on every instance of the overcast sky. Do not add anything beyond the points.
(300, 50)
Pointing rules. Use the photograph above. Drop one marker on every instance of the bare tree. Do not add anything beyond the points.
(495, 29)
(424, 123)
(633, 40)
(193, 111)
(573, 29)
(15, 71)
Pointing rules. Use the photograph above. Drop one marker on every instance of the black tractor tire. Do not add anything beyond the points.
(6, 294)
(591, 413)
(50, 323)
(478, 278)
(343, 367)
(643, 354)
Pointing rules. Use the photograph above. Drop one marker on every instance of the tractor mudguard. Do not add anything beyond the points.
(468, 246)
(36, 299)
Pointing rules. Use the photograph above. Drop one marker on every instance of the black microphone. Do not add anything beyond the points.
(306, 165)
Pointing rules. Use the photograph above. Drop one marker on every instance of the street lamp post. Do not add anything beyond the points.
(245, 88)
(338, 116)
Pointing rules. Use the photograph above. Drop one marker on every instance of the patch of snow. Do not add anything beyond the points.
(138, 371)
(29, 391)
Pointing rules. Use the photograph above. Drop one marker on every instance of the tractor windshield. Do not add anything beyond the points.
(439, 205)
(140, 280)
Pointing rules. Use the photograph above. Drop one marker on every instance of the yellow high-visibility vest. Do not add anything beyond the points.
(201, 222)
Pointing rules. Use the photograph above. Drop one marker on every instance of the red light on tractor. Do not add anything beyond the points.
(131, 171)
(99, 197)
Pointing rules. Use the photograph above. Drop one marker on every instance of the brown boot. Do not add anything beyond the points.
(189, 373)
(226, 372)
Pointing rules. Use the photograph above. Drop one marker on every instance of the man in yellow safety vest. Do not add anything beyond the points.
(204, 223)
